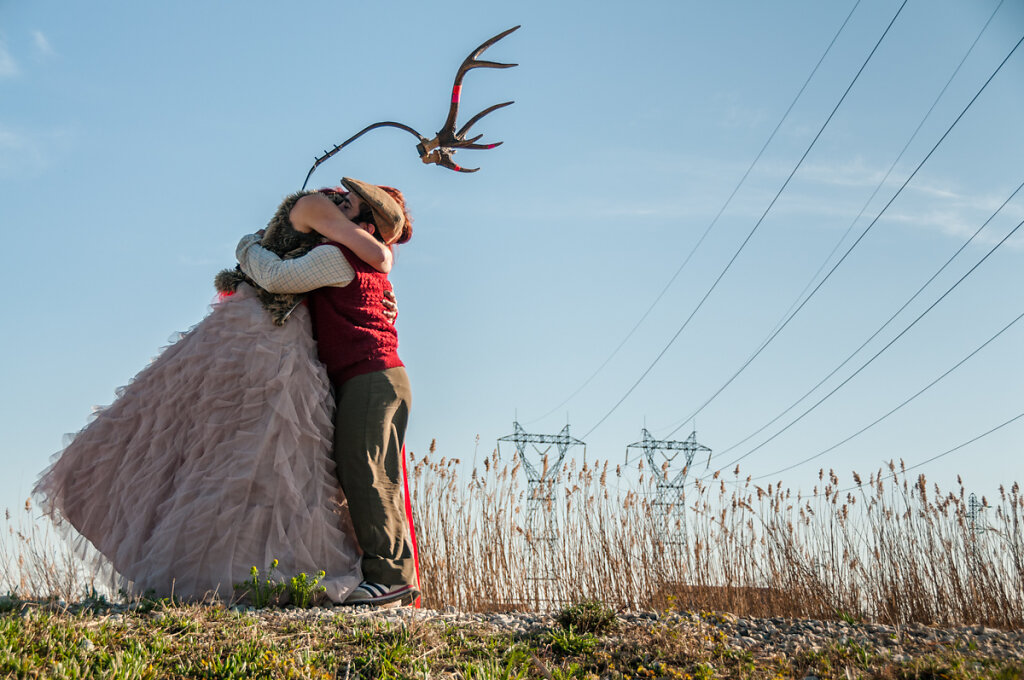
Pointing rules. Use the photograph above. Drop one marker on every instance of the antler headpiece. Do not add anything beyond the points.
(443, 146)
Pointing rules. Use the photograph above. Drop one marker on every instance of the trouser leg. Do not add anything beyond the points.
(372, 413)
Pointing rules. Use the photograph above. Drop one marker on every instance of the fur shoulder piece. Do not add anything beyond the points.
(282, 239)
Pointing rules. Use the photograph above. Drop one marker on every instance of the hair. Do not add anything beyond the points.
(400, 199)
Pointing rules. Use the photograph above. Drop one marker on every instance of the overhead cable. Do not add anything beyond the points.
(879, 352)
(879, 330)
(798, 305)
(899, 406)
(944, 453)
(952, 125)
(707, 230)
(753, 230)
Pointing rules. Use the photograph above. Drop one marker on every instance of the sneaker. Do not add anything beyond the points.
(377, 594)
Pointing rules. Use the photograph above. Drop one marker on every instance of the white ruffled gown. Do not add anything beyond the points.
(214, 459)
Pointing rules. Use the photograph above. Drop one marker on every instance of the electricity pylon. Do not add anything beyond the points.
(541, 529)
(974, 523)
(670, 480)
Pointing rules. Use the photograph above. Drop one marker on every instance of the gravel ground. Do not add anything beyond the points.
(765, 637)
(761, 637)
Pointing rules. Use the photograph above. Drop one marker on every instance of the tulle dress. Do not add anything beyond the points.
(214, 459)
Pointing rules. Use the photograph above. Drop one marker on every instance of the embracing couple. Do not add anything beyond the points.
(272, 430)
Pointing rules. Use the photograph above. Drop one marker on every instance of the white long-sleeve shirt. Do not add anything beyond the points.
(319, 268)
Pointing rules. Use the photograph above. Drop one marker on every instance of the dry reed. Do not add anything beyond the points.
(890, 549)
(35, 563)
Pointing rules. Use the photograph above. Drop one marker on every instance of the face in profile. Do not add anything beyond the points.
(350, 205)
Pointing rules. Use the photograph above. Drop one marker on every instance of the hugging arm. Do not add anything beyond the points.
(316, 212)
(319, 268)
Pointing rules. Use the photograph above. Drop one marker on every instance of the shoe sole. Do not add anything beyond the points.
(401, 596)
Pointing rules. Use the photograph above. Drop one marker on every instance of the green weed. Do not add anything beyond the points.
(303, 590)
(493, 669)
(261, 592)
(587, 616)
(567, 642)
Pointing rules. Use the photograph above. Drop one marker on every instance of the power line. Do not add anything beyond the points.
(721, 210)
(899, 406)
(945, 453)
(754, 229)
(879, 352)
(879, 330)
(797, 304)
(954, 123)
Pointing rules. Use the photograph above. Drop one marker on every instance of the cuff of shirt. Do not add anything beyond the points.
(244, 244)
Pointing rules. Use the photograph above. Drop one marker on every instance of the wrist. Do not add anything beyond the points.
(245, 243)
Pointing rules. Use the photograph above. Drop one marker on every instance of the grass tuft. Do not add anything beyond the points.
(587, 616)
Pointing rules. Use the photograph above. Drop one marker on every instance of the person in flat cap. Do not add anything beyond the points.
(343, 278)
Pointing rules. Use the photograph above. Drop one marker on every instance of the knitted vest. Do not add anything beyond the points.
(352, 334)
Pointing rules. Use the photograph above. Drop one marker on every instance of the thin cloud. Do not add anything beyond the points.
(945, 221)
(852, 173)
(18, 154)
(27, 153)
(856, 173)
(940, 206)
(937, 191)
(944, 207)
(8, 67)
(733, 114)
(12, 141)
(42, 45)
(962, 221)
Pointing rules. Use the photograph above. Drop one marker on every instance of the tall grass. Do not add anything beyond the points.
(890, 548)
(36, 563)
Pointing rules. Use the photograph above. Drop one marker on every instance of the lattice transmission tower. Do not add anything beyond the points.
(542, 530)
(669, 481)
(974, 509)
(975, 523)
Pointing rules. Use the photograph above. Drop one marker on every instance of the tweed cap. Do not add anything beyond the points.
(386, 211)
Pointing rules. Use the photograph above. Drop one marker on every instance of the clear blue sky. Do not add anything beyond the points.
(139, 141)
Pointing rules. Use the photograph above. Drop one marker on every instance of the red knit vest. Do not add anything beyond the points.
(352, 334)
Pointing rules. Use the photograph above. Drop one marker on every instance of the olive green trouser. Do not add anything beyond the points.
(372, 413)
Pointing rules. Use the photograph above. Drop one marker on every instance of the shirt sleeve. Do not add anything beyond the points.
(319, 268)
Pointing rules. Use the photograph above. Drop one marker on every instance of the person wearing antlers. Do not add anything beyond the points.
(358, 345)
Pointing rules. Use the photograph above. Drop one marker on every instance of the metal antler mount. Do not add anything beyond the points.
(443, 146)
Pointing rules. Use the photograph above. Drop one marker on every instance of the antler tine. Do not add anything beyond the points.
(443, 156)
(472, 121)
(471, 62)
(483, 46)
(446, 161)
(469, 144)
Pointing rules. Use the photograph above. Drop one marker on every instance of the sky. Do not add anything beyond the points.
(140, 141)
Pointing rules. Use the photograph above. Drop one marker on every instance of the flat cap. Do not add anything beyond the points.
(386, 212)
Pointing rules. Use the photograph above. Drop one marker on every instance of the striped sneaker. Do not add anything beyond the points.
(377, 594)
